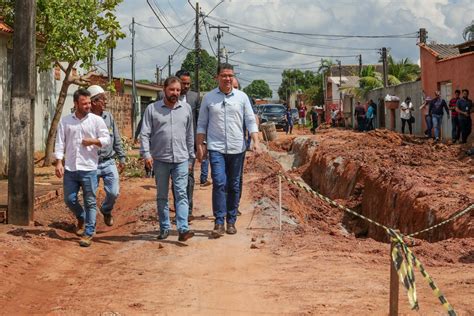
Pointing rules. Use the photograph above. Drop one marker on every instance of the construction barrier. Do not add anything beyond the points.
(402, 257)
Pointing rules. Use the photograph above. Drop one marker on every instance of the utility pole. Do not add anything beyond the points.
(340, 83)
(170, 59)
(157, 74)
(423, 35)
(110, 64)
(197, 51)
(219, 36)
(21, 160)
(360, 65)
(384, 67)
(134, 84)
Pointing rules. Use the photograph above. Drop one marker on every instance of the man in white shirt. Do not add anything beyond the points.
(78, 139)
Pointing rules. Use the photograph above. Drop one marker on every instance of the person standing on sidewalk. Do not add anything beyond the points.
(79, 136)
(405, 114)
(167, 143)
(456, 128)
(464, 107)
(224, 111)
(436, 112)
(107, 169)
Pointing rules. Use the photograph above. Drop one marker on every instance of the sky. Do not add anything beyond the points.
(251, 22)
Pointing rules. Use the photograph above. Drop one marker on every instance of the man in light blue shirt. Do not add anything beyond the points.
(220, 132)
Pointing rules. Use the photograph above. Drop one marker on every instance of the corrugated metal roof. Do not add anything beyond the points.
(444, 50)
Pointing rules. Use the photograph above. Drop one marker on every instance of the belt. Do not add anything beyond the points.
(104, 159)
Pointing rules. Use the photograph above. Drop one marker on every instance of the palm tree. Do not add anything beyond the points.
(468, 32)
(403, 70)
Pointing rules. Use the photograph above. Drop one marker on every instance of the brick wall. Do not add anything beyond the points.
(120, 105)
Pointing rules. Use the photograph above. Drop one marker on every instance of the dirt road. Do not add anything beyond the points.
(309, 268)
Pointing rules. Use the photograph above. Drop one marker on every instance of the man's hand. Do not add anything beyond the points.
(149, 163)
(255, 144)
(59, 170)
(91, 141)
(201, 153)
(121, 167)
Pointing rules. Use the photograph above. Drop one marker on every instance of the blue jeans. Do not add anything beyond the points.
(225, 172)
(87, 180)
(204, 171)
(107, 170)
(437, 120)
(179, 177)
(429, 125)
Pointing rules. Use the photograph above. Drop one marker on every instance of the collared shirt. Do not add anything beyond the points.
(222, 118)
(167, 134)
(115, 146)
(464, 105)
(71, 132)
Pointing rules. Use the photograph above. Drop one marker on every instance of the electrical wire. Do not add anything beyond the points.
(209, 40)
(162, 28)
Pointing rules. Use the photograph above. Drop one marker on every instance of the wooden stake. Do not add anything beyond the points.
(394, 286)
(279, 198)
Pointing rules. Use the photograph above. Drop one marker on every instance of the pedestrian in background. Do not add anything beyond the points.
(436, 112)
(428, 118)
(79, 136)
(464, 107)
(289, 120)
(107, 168)
(167, 143)
(359, 113)
(314, 119)
(456, 127)
(405, 114)
(224, 111)
(302, 115)
(369, 116)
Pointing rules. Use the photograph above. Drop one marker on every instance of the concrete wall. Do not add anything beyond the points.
(5, 72)
(411, 89)
(120, 105)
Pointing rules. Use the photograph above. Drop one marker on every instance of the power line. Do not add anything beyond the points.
(164, 26)
(406, 35)
(277, 67)
(209, 39)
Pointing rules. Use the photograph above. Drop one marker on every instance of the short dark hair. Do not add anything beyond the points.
(182, 72)
(224, 66)
(465, 90)
(81, 92)
(171, 80)
(457, 91)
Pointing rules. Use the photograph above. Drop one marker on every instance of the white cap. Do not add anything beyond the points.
(95, 90)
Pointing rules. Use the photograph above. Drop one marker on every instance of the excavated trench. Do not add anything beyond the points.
(373, 192)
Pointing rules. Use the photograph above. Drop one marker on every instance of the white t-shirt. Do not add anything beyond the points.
(405, 110)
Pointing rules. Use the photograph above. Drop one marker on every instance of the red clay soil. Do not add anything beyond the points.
(403, 182)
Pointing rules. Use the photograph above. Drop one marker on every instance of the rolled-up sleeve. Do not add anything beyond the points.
(102, 132)
(203, 118)
(59, 144)
(249, 117)
(145, 133)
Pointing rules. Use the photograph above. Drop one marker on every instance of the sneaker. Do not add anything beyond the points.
(239, 213)
(231, 230)
(85, 241)
(80, 227)
(163, 234)
(183, 236)
(108, 219)
(206, 184)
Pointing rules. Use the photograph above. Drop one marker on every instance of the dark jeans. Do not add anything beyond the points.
(315, 126)
(360, 123)
(241, 177)
(404, 121)
(289, 128)
(225, 172)
(369, 124)
(466, 127)
(204, 171)
(437, 121)
(456, 128)
(189, 189)
(429, 125)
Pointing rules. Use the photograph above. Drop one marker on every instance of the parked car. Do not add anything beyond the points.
(294, 115)
(272, 113)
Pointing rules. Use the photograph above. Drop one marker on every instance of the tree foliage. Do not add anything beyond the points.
(71, 34)
(294, 80)
(258, 89)
(207, 70)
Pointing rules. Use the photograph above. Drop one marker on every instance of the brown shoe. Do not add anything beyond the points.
(185, 235)
(85, 241)
(231, 230)
(80, 227)
(219, 230)
(206, 184)
(108, 219)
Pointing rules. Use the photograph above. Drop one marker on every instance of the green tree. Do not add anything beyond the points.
(258, 89)
(71, 35)
(403, 70)
(294, 80)
(207, 71)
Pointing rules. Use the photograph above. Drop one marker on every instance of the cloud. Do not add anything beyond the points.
(444, 20)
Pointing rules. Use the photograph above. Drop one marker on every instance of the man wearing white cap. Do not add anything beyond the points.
(107, 169)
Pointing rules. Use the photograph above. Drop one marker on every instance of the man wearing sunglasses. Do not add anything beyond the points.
(220, 134)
